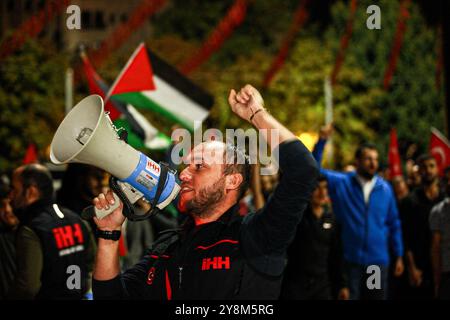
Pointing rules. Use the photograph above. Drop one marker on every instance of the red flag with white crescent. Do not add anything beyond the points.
(440, 149)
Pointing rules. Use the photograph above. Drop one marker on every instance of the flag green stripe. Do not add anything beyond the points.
(139, 100)
(135, 141)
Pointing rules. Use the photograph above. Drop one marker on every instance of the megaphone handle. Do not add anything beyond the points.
(91, 211)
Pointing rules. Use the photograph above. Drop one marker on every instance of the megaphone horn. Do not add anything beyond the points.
(87, 135)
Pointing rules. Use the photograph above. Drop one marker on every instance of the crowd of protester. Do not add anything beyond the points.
(357, 220)
(400, 225)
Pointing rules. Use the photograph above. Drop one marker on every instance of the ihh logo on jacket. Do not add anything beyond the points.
(69, 239)
(216, 263)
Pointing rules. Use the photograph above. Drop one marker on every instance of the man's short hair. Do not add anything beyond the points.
(321, 178)
(424, 157)
(366, 145)
(40, 177)
(236, 161)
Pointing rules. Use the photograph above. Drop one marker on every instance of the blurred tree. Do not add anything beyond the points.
(296, 96)
(31, 100)
(413, 103)
(32, 90)
(264, 25)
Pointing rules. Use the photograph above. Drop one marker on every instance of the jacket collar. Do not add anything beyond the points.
(354, 176)
(25, 215)
(225, 219)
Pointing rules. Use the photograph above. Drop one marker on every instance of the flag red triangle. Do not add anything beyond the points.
(93, 80)
(440, 149)
(31, 155)
(137, 75)
(395, 164)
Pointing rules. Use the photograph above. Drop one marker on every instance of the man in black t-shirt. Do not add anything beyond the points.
(315, 268)
(414, 213)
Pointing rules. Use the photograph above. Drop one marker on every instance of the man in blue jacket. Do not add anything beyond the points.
(365, 206)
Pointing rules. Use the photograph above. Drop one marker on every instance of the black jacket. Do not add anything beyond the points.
(415, 212)
(315, 261)
(64, 240)
(231, 258)
(7, 259)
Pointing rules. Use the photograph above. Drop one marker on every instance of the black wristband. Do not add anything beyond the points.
(108, 235)
(261, 109)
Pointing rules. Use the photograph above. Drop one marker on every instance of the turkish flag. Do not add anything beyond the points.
(440, 149)
(395, 164)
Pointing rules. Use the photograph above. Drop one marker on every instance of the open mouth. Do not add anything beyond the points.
(185, 189)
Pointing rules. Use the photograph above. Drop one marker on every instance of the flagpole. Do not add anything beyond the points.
(69, 90)
(329, 114)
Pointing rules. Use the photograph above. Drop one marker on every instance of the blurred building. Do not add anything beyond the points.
(98, 19)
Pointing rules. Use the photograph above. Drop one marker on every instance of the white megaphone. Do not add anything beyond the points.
(87, 135)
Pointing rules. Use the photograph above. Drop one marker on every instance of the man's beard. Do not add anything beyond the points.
(427, 181)
(365, 174)
(202, 205)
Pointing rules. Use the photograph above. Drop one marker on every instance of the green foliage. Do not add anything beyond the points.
(413, 103)
(32, 80)
(363, 111)
(31, 100)
(296, 95)
(264, 25)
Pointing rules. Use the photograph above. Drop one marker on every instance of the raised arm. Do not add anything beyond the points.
(249, 105)
(332, 177)
(324, 135)
(266, 235)
(107, 269)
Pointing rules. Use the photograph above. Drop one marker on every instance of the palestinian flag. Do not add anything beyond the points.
(148, 82)
(141, 134)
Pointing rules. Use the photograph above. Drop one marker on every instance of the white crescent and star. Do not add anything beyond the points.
(439, 151)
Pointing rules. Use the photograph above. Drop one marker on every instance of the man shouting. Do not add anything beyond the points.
(217, 254)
